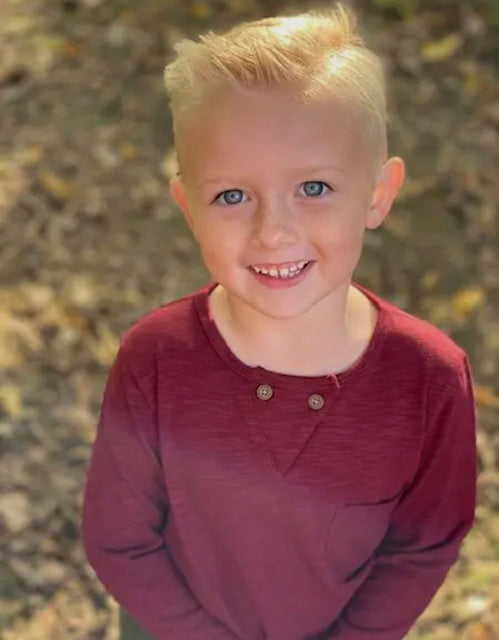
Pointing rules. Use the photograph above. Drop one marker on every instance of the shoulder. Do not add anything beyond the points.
(170, 328)
(417, 344)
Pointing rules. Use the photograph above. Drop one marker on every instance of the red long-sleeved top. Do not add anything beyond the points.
(221, 502)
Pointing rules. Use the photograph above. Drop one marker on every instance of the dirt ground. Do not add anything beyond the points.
(90, 241)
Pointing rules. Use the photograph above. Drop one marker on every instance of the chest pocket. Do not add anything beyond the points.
(354, 533)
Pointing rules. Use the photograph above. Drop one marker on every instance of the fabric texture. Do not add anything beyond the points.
(213, 511)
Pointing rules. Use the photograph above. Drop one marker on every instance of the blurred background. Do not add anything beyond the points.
(90, 241)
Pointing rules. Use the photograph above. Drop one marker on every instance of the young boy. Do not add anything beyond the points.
(281, 455)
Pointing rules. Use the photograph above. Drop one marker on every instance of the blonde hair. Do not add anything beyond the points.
(319, 53)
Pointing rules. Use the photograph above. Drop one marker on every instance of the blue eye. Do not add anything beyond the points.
(315, 188)
(231, 196)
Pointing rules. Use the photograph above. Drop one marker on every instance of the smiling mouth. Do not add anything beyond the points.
(281, 272)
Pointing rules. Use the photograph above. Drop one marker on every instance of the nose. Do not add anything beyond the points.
(275, 224)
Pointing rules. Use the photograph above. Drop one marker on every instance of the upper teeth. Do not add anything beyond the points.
(283, 272)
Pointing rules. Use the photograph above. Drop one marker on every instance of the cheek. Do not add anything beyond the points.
(216, 245)
(343, 233)
(341, 244)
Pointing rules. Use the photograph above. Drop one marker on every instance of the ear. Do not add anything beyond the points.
(388, 184)
(178, 192)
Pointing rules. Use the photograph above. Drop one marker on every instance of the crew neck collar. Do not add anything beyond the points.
(260, 375)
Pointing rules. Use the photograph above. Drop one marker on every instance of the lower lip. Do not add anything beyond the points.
(282, 283)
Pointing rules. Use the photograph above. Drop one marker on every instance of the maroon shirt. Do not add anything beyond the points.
(226, 501)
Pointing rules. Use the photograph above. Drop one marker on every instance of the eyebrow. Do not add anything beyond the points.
(304, 170)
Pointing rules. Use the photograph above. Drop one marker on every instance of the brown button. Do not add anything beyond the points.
(264, 392)
(316, 401)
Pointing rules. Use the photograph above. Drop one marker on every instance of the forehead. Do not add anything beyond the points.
(270, 127)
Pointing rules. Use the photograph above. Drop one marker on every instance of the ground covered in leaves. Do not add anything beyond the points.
(90, 241)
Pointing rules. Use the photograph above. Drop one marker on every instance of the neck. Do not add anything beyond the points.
(329, 337)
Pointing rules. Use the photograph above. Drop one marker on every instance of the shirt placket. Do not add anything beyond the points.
(282, 421)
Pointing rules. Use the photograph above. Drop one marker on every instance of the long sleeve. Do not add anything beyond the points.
(427, 526)
(125, 508)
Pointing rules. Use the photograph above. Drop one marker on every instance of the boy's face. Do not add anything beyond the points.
(270, 182)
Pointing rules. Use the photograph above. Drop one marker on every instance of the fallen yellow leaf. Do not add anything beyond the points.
(485, 396)
(477, 631)
(106, 348)
(467, 300)
(58, 187)
(442, 49)
(31, 155)
(18, 24)
(81, 291)
(10, 399)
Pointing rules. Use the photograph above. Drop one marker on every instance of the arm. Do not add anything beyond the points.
(125, 508)
(426, 528)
